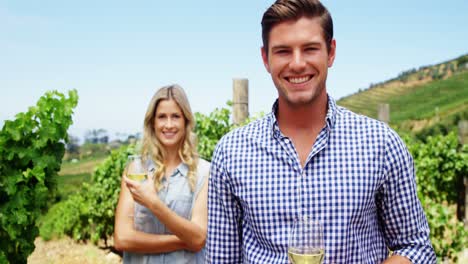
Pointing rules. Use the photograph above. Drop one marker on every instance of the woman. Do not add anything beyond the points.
(164, 218)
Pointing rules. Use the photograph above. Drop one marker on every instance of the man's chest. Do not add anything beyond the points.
(273, 189)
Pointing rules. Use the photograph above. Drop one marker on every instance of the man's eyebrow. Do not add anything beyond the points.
(311, 43)
(280, 47)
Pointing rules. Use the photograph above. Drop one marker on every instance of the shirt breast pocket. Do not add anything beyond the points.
(182, 205)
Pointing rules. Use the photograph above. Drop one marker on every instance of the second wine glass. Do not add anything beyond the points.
(305, 245)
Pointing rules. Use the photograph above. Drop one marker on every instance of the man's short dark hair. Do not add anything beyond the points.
(287, 10)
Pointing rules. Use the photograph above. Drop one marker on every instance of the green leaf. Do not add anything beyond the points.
(29, 146)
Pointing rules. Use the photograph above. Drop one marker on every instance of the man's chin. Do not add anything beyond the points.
(299, 102)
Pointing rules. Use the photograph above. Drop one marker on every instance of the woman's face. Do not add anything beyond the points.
(169, 124)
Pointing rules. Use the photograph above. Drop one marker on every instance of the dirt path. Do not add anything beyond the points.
(66, 251)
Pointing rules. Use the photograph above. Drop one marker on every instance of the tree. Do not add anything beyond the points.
(72, 146)
(96, 136)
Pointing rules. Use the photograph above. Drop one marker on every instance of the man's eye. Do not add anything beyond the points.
(311, 49)
(281, 52)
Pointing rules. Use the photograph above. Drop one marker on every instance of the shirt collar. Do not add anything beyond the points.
(274, 128)
(331, 113)
(329, 118)
(182, 169)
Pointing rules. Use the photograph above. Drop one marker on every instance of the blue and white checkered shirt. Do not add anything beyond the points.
(358, 181)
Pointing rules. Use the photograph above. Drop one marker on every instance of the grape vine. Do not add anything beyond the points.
(31, 151)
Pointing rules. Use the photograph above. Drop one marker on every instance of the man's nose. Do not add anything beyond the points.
(298, 62)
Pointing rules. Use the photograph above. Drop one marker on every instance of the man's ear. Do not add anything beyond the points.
(332, 53)
(265, 58)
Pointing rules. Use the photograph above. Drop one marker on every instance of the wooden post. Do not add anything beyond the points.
(462, 213)
(384, 113)
(463, 132)
(240, 100)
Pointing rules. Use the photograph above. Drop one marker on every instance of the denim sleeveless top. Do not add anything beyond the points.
(176, 194)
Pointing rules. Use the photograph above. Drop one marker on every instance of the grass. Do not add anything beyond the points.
(70, 184)
(413, 102)
(423, 102)
(83, 166)
(73, 174)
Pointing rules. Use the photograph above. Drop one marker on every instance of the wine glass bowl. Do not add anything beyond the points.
(135, 168)
(305, 245)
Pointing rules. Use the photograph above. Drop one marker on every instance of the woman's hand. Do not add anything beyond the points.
(143, 193)
(126, 237)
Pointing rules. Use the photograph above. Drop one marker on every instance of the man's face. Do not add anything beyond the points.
(298, 60)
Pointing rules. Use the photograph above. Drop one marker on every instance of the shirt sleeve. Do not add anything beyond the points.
(224, 242)
(403, 220)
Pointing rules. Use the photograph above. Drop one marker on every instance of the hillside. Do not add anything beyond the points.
(418, 98)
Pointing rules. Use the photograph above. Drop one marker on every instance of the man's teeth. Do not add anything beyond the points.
(298, 79)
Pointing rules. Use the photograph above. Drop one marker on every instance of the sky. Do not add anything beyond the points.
(116, 54)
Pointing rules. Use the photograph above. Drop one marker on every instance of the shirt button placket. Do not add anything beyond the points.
(301, 200)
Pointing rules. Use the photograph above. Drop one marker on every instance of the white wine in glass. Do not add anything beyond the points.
(305, 244)
(135, 169)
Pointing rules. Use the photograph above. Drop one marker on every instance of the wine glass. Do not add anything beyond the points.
(305, 245)
(135, 168)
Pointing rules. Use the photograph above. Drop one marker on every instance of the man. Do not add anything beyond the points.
(310, 157)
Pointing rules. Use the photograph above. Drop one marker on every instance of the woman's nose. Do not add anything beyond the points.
(169, 122)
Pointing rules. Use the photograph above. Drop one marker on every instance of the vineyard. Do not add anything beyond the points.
(33, 146)
(432, 95)
(31, 152)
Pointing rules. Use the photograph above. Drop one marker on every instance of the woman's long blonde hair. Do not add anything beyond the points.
(153, 149)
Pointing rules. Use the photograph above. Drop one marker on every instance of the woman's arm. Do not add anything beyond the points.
(192, 232)
(126, 238)
(395, 259)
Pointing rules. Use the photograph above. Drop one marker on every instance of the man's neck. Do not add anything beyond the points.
(304, 118)
(302, 124)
